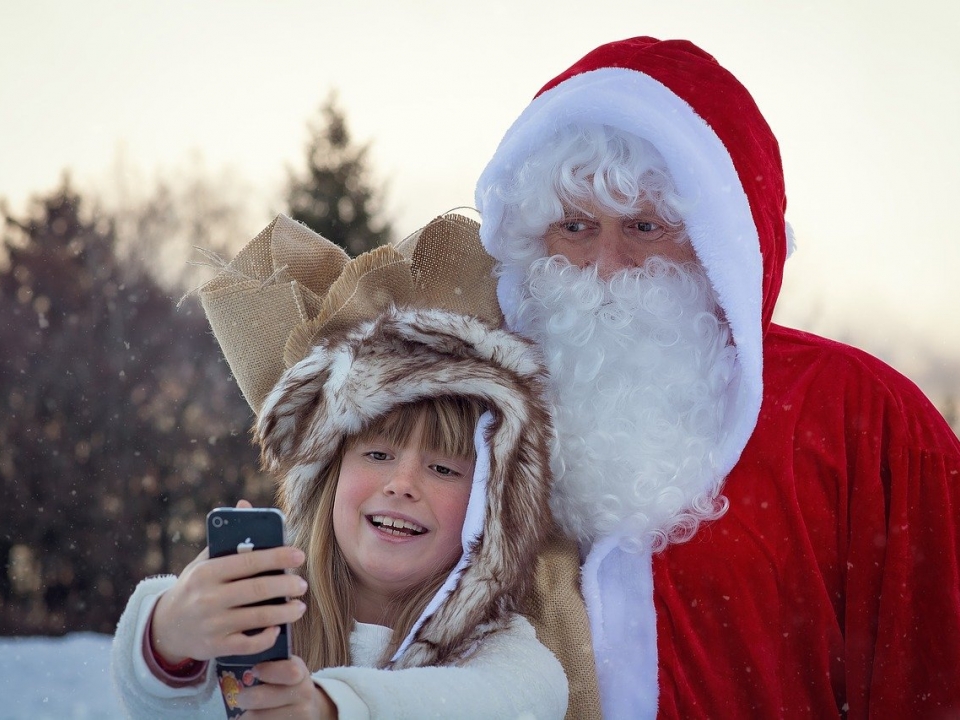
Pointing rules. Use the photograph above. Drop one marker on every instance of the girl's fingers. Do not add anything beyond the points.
(226, 633)
(231, 626)
(282, 672)
(286, 690)
(259, 616)
(229, 582)
(244, 565)
(250, 591)
(239, 644)
(265, 698)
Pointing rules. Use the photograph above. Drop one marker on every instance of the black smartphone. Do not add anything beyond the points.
(238, 530)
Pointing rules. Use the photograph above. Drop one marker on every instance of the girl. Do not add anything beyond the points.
(413, 449)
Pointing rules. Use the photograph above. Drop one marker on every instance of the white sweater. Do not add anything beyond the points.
(511, 675)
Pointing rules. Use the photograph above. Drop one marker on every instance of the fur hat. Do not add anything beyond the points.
(395, 327)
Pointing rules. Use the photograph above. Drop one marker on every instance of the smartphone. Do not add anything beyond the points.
(239, 530)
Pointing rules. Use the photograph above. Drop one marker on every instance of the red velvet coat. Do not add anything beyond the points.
(831, 587)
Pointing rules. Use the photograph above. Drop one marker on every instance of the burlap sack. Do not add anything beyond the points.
(559, 615)
(289, 286)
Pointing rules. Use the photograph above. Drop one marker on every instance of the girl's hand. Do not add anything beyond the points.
(202, 615)
(286, 690)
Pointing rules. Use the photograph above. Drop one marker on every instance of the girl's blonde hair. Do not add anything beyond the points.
(322, 636)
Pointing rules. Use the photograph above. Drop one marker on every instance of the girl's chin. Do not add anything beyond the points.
(390, 581)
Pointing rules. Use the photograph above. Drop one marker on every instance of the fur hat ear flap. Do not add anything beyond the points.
(288, 425)
(298, 432)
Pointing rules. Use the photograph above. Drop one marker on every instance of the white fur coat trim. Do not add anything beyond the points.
(618, 590)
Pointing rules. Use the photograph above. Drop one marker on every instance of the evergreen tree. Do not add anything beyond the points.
(336, 197)
(115, 432)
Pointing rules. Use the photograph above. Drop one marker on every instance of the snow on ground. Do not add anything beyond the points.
(64, 678)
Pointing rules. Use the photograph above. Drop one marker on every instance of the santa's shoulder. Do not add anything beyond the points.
(831, 379)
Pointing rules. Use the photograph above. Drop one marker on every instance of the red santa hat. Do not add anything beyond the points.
(723, 159)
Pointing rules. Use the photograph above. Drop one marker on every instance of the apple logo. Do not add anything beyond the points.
(245, 547)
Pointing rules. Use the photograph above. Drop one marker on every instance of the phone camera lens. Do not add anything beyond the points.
(217, 521)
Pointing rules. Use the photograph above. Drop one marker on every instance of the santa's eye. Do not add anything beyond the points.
(572, 226)
(648, 229)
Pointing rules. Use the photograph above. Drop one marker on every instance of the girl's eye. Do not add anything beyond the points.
(444, 470)
(377, 455)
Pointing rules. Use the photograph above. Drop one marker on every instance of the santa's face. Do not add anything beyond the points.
(597, 268)
(591, 235)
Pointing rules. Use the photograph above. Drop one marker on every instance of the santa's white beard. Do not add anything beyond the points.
(639, 367)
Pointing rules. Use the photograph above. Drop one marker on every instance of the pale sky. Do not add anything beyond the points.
(863, 95)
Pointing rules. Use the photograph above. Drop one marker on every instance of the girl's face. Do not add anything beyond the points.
(397, 516)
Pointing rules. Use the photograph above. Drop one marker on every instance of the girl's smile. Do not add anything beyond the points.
(396, 526)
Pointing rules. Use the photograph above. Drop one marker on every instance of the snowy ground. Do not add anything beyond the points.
(57, 678)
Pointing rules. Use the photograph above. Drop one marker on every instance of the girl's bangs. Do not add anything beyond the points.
(448, 425)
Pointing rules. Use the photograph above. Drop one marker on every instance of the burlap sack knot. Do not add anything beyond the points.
(289, 287)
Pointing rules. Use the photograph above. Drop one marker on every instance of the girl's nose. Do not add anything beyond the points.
(403, 480)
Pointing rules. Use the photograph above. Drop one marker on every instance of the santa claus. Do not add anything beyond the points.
(766, 520)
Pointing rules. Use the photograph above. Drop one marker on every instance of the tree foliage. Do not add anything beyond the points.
(120, 425)
(120, 429)
(335, 196)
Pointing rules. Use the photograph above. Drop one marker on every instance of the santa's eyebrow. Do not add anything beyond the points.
(574, 210)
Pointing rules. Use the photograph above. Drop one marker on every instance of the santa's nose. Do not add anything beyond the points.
(611, 252)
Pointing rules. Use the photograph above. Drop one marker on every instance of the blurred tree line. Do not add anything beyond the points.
(121, 425)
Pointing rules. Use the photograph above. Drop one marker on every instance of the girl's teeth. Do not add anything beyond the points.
(396, 526)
